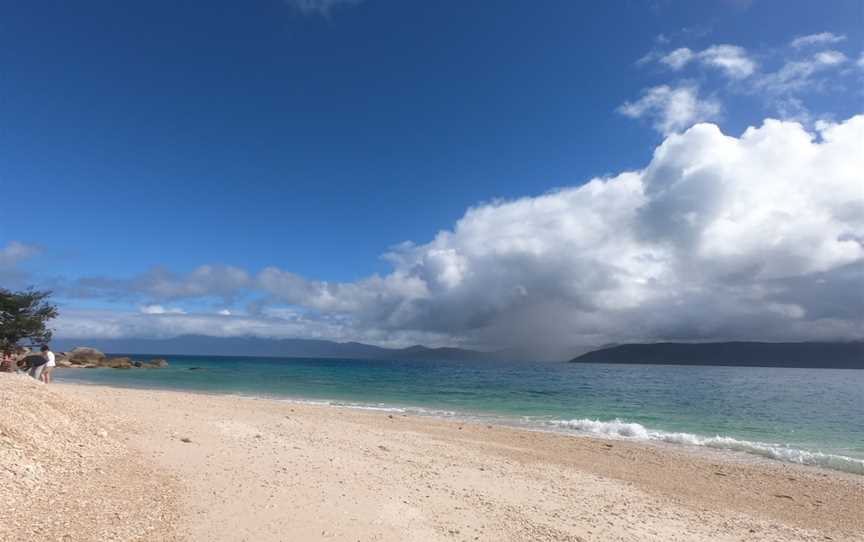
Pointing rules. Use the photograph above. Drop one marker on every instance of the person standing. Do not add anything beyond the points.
(50, 363)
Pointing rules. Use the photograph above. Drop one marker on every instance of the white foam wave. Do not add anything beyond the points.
(635, 431)
(375, 407)
(362, 406)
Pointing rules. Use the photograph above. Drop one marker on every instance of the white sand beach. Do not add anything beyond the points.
(104, 463)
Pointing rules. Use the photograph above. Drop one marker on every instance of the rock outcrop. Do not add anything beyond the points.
(84, 355)
(90, 358)
(118, 363)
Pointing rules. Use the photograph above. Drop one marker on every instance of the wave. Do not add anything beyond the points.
(375, 407)
(781, 452)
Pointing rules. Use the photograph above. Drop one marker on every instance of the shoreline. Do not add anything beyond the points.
(719, 446)
(243, 468)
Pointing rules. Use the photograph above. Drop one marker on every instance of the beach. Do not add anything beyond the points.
(106, 463)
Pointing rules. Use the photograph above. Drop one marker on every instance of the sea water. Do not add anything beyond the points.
(807, 416)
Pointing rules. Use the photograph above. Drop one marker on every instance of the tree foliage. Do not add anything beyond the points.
(24, 315)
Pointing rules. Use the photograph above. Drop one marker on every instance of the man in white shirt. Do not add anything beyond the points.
(49, 364)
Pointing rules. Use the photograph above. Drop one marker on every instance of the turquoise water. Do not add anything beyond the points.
(810, 416)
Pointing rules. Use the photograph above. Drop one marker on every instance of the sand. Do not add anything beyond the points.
(161, 465)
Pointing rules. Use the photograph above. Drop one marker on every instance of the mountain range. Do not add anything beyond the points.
(290, 348)
(817, 355)
(840, 355)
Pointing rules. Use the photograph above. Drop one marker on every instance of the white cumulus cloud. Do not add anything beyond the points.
(733, 61)
(672, 109)
(678, 58)
(159, 309)
(800, 74)
(822, 38)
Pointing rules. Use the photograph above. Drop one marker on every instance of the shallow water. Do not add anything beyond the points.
(810, 416)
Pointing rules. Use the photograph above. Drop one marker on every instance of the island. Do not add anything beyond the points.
(813, 355)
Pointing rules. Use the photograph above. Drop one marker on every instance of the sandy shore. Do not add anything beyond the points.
(159, 465)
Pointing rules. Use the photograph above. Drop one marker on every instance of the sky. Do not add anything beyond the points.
(537, 175)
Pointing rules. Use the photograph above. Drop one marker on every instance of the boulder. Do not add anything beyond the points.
(117, 363)
(64, 363)
(84, 356)
(159, 363)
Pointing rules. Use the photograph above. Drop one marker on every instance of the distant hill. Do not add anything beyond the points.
(260, 347)
(818, 355)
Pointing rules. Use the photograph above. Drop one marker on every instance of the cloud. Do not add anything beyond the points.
(713, 221)
(781, 89)
(732, 60)
(320, 7)
(719, 237)
(829, 58)
(822, 38)
(159, 284)
(159, 309)
(11, 256)
(273, 323)
(73, 324)
(672, 109)
(800, 75)
(792, 109)
(15, 252)
(678, 58)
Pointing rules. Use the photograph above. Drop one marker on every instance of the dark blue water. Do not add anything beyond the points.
(811, 416)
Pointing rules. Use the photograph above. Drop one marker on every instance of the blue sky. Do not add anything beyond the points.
(313, 136)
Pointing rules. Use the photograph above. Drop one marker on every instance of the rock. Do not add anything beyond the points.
(155, 364)
(117, 363)
(64, 363)
(137, 363)
(83, 356)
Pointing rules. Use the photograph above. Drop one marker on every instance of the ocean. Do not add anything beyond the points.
(806, 416)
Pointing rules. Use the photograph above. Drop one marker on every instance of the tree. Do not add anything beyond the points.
(24, 315)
